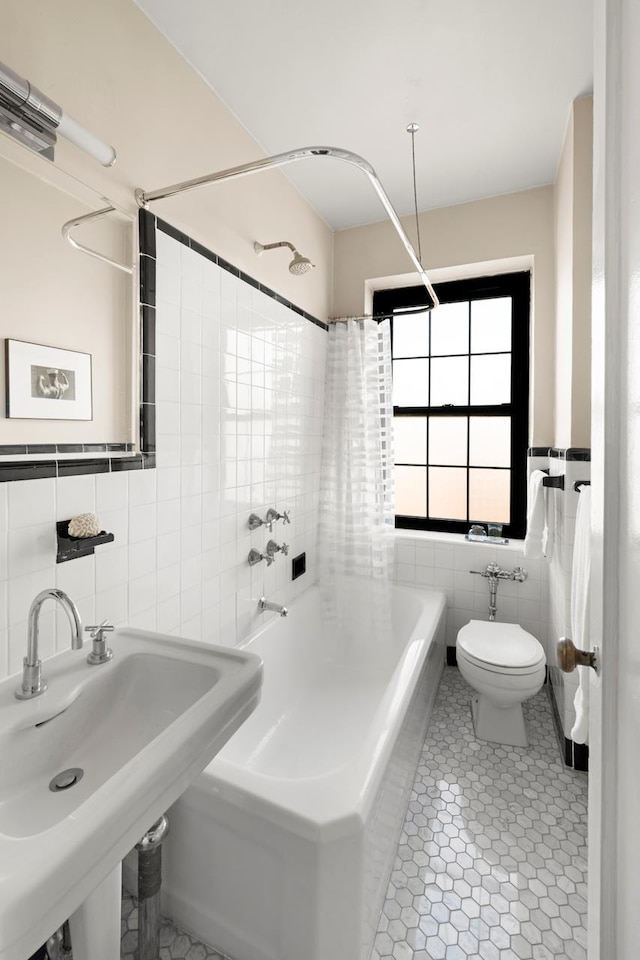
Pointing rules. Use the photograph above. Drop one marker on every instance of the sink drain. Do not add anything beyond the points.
(65, 779)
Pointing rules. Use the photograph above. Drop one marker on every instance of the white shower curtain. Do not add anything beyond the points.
(356, 488)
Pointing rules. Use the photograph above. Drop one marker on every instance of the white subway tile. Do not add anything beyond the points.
(31, 502)
(112, 491)
(75, 495)
(30, 549)
(77, 577)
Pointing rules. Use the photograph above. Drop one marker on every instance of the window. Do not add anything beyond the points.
(460, 402)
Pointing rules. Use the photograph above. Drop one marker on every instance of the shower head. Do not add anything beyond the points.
(298, 266)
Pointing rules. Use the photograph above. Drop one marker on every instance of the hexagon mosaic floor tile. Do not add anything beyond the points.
(492, 861)
(175, 944)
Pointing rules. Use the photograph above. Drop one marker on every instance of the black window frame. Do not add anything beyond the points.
(518, 287)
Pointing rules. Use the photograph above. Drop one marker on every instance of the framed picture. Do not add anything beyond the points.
(47, 383)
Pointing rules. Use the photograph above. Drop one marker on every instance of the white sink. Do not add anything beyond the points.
(140, 727)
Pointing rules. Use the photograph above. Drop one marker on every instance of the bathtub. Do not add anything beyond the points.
(283, 847)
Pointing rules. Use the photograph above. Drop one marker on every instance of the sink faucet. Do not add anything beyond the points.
(33, 683)
(264, 604)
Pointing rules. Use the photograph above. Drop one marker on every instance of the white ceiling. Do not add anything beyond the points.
(489, 81)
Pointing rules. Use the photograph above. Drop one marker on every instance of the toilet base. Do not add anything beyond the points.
(498, 724)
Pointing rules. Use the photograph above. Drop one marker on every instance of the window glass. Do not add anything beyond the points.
(411, 334)
(411, 491)
(448, 441)
(489, 495)
(450, 329)
(491, 379)
(410, 439)
(448, 493)
(491, 325)
(410, 383)
(449, 381)
(490, 441)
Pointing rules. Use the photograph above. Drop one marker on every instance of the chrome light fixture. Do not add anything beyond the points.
(30, 117)
(298, 266)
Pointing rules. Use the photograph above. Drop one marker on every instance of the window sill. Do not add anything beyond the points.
(436, 536)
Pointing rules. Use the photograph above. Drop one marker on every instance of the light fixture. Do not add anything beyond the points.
(298, 266)
(30, 117)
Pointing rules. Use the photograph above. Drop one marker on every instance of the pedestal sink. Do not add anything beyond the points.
(133, 733)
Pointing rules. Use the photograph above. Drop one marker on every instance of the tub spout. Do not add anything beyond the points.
(264, 604)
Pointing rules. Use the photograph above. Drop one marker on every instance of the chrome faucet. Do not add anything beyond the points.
(33, 683)
(273, 548)
(264, 604)
(494, 573)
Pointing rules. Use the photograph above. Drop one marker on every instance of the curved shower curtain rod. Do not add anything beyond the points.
(291, 156)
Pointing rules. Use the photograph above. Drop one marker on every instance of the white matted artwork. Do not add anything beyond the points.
(47, 383)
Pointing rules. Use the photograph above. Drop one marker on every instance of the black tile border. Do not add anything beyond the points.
(560, 453)
(175, 234)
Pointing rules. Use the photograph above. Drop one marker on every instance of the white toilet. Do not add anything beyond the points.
(506, 665)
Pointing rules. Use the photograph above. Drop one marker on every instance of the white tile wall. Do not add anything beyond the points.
(444, 561)
(240, 388)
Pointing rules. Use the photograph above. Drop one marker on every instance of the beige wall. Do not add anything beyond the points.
(518, 225)
(53, 296)
(572, 218)
(111, 70)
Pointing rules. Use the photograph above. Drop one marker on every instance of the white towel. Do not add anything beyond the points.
(536, 517)
(580, 574)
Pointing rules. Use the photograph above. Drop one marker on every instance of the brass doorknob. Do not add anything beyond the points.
(569, 657)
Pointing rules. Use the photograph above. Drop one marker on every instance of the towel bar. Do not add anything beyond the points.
(581, 483)
(557, 482)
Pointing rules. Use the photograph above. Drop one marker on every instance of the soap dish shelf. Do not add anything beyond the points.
(69, 548)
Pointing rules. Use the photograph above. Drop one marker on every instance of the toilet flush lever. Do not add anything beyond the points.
(569, 657)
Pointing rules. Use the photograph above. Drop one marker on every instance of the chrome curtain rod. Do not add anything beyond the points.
(291, 156)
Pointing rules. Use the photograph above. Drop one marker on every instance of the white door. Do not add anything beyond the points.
(614, 784)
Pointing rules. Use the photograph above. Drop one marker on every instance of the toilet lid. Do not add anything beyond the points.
(500, 644)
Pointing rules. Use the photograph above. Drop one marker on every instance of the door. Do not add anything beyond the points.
(614, 785)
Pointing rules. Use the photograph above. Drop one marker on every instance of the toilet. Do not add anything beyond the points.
(505, 665)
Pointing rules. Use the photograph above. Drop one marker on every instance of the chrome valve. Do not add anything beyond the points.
(255, 557)
(273, 516)
(273, 548)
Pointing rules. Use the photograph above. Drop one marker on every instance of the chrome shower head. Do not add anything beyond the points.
(298, 266)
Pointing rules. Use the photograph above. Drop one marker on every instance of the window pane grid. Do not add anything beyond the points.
(481, 327)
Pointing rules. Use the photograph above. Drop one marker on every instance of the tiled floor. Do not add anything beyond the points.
(174, 943)
(491, 864)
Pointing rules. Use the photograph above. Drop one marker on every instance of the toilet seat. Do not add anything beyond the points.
(500, 647)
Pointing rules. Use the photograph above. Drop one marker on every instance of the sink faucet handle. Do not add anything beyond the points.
(285, 516)
(97, 630)
(101, 653)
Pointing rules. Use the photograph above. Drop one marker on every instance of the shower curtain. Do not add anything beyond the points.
(356, 488)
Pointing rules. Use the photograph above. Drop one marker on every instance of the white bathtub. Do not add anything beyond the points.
(282, 848)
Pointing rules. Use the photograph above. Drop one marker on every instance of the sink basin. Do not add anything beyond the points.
(139, 729)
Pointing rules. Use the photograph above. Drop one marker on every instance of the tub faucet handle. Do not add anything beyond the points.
(273, 548)
(255, 557)
(273, 516)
